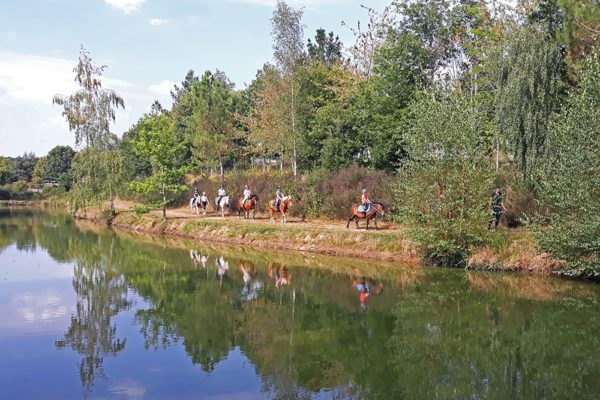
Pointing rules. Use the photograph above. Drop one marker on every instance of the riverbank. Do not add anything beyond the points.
(513, 250)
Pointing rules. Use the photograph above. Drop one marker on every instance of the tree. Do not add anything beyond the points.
(38, 171)
(24, 166)
(288, 50)
(529, 75)
(89, 112)
(213, 119)
(57, 167)
(443, 190)
(7, 170)
(97, 173)
(569, 178)
(158, 143)
(326, 48)
(269, 130)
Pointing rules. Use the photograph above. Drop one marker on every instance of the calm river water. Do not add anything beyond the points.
(86, 312)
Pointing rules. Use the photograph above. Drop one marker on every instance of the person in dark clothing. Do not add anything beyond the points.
(497, 206)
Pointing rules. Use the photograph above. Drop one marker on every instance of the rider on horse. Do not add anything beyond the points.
(247, 194)
(220, 193)
(196, 195)
(366, 203)
(278, 197)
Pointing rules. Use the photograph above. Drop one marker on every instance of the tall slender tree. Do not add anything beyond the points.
(287, 31)
(89, 112)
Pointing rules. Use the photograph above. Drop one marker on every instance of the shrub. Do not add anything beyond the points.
(443, 191)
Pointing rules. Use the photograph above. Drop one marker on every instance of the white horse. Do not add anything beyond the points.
(196, 205)
(222, 204)
(193, 206)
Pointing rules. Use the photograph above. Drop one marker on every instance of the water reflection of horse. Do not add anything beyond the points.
(280, 275)
(376, 208)
(366, 287)
(249, 205)
(251, 286)
(222, 267)
(285, 203)
(198, 259)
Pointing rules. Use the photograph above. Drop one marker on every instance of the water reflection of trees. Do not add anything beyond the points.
(445, 335)
(101, 294)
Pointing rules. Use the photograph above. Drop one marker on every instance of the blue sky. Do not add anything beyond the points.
(147, 44)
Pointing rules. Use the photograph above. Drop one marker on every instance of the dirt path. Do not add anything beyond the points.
(263, 218)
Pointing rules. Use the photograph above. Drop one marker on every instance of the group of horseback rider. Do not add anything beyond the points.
(202, 200)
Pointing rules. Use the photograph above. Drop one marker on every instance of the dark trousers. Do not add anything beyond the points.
(496, 214)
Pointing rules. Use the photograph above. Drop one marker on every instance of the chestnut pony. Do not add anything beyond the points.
(283, 206)
(376, 208)
(249, 206)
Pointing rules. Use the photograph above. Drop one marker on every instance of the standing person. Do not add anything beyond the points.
(497, 206)
(366, 203)
(278, 197)
(220, 193)
(247, 194)
(203, 200)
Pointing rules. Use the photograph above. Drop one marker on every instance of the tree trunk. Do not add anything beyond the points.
(222, 174)
(294, 162)
(164, 208)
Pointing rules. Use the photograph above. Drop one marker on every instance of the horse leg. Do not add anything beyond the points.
(367, 227)
(376, 227)
(271, 219)
(349, 220)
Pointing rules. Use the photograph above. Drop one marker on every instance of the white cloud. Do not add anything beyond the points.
(295, 3)
(157, 21)
(128, 388)
(126, 6)
(28, 119)
(163, 88)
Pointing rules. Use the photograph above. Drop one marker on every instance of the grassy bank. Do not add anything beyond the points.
(511, 250)
(390, 245)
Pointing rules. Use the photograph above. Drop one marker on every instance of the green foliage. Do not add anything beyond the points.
(90, 110)
(97, 174)
(24, 166)
(140, 210)
(530, 75)
(7, 170)
(443, 192)
(326, 48)
(57, 166)
(570, 178)
(158, 144)
(212, 130)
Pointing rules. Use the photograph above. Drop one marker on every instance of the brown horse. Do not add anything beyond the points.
(376, 208)
(283, 206)
(249, 206)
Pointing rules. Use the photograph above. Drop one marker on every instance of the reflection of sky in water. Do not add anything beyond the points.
(36, 295)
